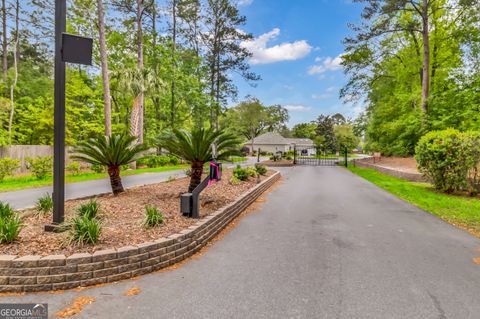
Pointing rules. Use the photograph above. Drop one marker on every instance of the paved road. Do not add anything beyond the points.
(325, 244)
(28, 197)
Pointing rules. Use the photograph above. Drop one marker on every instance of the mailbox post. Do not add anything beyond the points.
(73, 49)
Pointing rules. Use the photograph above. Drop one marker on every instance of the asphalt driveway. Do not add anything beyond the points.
(325, 244)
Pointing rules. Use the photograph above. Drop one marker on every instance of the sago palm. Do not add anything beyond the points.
(112, 152)
(196, 147)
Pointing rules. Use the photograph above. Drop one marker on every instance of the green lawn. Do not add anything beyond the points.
(237, 159)
(24, 182)
(458, 210)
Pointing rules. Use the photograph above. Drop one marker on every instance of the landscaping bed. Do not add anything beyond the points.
(402, 167)
(122, 216)
(279, 163)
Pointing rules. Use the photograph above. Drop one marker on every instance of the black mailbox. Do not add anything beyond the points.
(186, 204)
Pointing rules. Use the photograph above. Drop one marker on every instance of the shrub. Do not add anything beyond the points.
(261, 169)
(6, 211)
(441, 156)
(97, 168)
(153, 217)
(234, 180)
(85, 230)
(9, 229)
(174, 160)
(89, 209)
(41, 167)
(240, 173)
(472, 159)
(8, 167)
(44, 203)
(251, 171)
(73, 168)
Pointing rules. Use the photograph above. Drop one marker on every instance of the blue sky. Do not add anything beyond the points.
(297, 51)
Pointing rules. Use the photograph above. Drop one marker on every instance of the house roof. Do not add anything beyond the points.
(273, 138)
(270, 138)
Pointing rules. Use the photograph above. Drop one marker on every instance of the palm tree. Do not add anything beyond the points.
(196, 147)
(112, 152)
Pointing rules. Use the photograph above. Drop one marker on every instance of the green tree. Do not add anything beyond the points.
(112, 152)
(345, 137)
(195, 146)
(304, 130)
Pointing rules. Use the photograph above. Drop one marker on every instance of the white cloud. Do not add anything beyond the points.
(244, 2)
(323, 96)
(261, 54)
(326, 64)
(297, 108)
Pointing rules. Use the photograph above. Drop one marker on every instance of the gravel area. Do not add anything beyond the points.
(122, 217)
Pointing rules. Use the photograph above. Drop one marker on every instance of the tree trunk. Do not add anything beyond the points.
(4, 41)
(15, 79)
(115, 180)
(107, 108)
(136, 125)
(426, 57)
(196, 175)
(174, 65)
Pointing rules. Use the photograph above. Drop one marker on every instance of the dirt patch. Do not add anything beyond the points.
(401, 164)
(122, 217)
(277, 163)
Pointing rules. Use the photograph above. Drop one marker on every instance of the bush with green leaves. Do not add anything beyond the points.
(240, 173)
(73, 168)
(89, 209)
(442, 157)
(251, 171)
(85, 230)
(97, 168)
(10, 224)
(41, 166)
(8, 166)
(153, 217)
(234, 180)
(174, 160)
(44, 204)
(261, 169)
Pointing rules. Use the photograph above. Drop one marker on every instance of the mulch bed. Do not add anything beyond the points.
(278, 163)
(122, 217)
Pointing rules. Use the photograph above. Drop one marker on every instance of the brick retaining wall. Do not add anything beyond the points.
(57, 272)
(413, 177)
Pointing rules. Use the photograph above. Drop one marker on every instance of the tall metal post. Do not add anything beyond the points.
(258, 155)
(59, 115)
(294, 154)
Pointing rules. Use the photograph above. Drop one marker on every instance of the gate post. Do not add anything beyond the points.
(294, 154)
(346, 156)
(258, 155)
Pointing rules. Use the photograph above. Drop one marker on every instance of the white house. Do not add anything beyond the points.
(272, 142)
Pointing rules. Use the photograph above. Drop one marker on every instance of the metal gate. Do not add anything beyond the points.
(316, 157)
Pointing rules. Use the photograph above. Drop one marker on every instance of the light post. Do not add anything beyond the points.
(73, 49)
(294, 154)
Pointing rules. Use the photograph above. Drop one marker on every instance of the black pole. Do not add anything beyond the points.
(295, 155)
(59, 116)
(346, 156)
(258, 156)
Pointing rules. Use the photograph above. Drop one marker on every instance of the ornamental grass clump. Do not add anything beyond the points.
(85, 228)
(240, 173)
(44, 204)
(10, 224)
(89, 209)
(153, 217)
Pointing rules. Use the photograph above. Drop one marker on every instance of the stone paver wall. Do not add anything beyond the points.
(57, 272)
